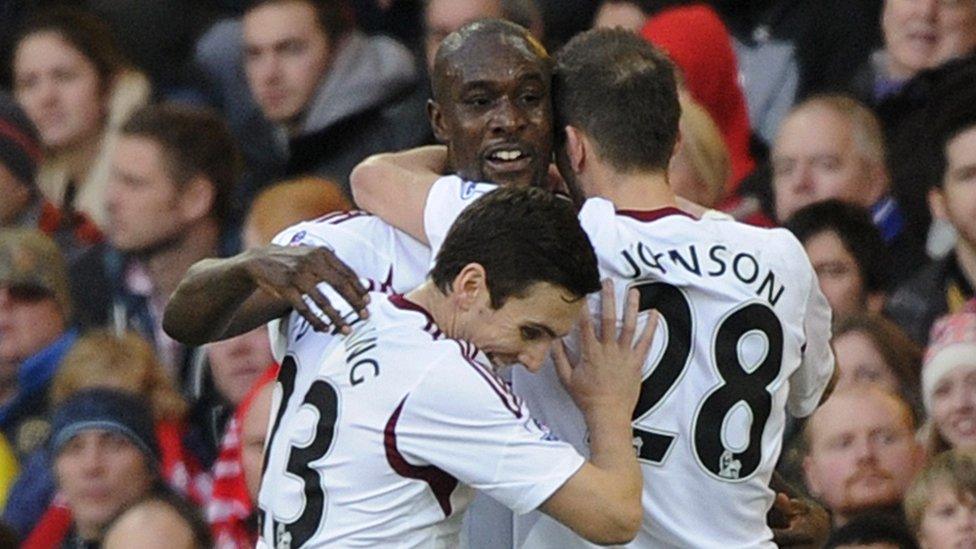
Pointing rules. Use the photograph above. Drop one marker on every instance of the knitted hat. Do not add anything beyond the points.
(30, 258)
(20, 145)
(107, 410)
(952, 343)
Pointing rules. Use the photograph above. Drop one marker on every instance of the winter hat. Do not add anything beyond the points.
(952, 343)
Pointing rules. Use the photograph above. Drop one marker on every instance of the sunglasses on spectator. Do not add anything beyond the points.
(26, 293)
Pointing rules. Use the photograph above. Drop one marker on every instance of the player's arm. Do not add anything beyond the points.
(602, 501)
(394, 186)
(221, 298)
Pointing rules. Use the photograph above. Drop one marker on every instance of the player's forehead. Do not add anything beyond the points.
(496, 59)
(546, 305)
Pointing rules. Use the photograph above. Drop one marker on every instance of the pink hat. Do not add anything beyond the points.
(952, 343)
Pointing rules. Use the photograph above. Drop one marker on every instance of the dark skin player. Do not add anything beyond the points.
(491, 108)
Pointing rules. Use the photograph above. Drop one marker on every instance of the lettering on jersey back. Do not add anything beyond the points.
(361, 365)
(641, 260)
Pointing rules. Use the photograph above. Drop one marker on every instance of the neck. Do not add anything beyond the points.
(167, 264)
(78, 158)
(634, 190)
(88, 532)
(966, 257)
(431, 298)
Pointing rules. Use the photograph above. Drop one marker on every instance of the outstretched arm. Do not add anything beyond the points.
(221, 298)
(394, 186)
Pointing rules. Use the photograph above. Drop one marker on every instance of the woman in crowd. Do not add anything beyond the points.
(941, 503)
(871, 349)
(71, 79)
(949, 382)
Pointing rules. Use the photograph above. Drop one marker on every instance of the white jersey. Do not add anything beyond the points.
(379, 438)
(389, 260)
(744, 338)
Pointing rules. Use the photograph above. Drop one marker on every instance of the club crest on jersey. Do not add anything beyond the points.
(729, 467)
(533, 425)
(468, 189)
(297, 239)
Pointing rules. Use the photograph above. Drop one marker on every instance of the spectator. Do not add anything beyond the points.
(101, 360)
(105, 460)
(160, 521)
(35, 308)
(237, 363)
(23, 205)
(78, 118)
(626, 14)
(861, 452)
(872, 531)
(941, 502)
(832, 147)
(442, 17)
(847, 253)
(700, 165)
(699, 44)
(173, 171)
(917, 36)
(789, 50)
(949, 382)
(945, 285)
(237, 472)
(339, 97)
(20, 153)
(283, 204)
(871, 350)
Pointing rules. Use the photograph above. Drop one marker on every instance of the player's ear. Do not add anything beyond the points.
(436, 117)
(576, 148)
(197, 198)
(937, 203)
(470, 287)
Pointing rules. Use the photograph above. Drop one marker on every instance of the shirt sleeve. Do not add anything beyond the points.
(448, 197)
(809, 381)
(465, 421)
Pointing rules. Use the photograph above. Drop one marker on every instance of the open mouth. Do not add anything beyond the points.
(509, 158)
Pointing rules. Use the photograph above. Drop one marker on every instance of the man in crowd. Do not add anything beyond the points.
(168, 198)
(861, 453)
(832, 147)
(945, 285)
(847, 253)
(20, 152)
(35, 312)
(333, 94)
(442, 17)
(616, 155)
(105, 458)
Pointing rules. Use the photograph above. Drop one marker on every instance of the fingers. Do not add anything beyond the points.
(343, 280)
(298, 304)
(643, 346)
(626, 337)
(608, 314)
(587, 335)
(563, 369)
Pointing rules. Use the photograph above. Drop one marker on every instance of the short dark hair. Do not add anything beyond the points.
(195, 142)
(333, 16)
(86, 32)
(621, 92)
(955, 112)
(853, 226)
(521, 236)
(871, 528)
(456, 42)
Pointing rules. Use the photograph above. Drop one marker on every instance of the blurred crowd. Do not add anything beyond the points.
(139, 137)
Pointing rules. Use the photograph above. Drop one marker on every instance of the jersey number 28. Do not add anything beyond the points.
(739, 384)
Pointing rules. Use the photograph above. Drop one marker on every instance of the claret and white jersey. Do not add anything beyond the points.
(743, 338)
(387, 259)
(379, 438)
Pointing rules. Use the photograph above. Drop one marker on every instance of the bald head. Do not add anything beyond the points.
(473, 43)
(491, 104)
